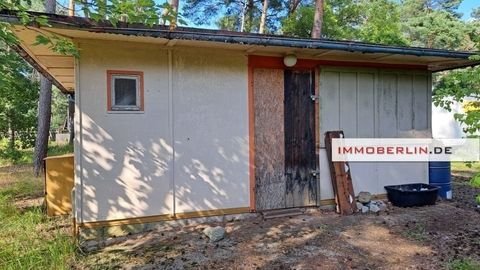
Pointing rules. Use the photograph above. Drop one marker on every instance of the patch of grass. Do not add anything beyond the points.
(59, 149)
(471, 167)
(25, 156)
(28, 238)
(463, 264)
(417, 233)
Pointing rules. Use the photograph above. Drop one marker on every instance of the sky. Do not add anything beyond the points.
(467, 6)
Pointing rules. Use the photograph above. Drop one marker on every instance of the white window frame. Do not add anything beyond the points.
(115, 107)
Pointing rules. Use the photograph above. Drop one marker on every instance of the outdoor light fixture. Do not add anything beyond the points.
(290, 60)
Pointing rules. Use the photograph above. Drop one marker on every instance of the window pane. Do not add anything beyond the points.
(125, 92)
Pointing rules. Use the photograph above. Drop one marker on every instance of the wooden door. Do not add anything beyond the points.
(299, 123)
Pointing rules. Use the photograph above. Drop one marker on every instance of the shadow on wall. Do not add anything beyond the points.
(130, 175)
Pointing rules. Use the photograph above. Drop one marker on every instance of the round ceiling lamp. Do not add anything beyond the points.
(290, 60)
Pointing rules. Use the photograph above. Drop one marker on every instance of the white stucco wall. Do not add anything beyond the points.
(191, 141)
(371, 103)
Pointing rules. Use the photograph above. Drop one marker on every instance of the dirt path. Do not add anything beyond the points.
(414, 238)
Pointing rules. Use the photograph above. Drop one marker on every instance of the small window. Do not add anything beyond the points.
(125, 91)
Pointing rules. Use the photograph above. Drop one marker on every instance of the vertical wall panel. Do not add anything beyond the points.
(329, 102)
(269, 138)
(366, 105)
(387, 106)
(210, 107)
(421, 92)
(124, 159)
(405, 102)
(348, 103)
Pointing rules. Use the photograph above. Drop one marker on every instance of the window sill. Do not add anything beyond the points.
(125, 112)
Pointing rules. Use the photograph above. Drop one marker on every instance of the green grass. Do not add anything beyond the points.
(28, 238)
(417, 233)
(463, 264)
(473, 167)
(25, 156)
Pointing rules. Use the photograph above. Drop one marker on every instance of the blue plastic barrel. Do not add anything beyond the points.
(440, 176)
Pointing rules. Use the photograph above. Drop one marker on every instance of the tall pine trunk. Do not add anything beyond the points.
(71, 8)
(43, 130)
(173, 23)
(249, 19)
(318, 20)
(263, 19)
(44, 112)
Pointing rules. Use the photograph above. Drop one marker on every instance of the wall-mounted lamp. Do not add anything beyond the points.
(290, 60)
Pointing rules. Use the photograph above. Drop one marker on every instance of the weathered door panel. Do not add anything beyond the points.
(299, 125)
(269, 139)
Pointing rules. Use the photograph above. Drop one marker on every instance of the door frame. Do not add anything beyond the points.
(269, 62)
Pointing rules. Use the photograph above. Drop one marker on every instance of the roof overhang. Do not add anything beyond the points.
(60, 68)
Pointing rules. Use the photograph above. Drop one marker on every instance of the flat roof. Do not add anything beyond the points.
(60, 67)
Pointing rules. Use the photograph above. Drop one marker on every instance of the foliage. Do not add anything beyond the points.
(24, 156)
(300, 23)
(437, 29)
(475, 181)
(459, 86)
(18, 95)
(57, 43)
(463, 264)
(134, 11)
(233, 14)
(59, 110)
(380, 23)
(29, 239)
(375, 21)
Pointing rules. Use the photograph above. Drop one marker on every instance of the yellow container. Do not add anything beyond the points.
(59, 175)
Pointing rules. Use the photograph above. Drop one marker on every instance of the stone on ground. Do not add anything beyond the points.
(359, 206)
(374, 208)
(214, 233)
(381, 205)
(365, 209)
(364, 197)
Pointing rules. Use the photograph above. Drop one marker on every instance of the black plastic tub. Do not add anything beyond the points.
(412, 195)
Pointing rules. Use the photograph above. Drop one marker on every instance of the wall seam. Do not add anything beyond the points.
(78, 154)
(171, 124)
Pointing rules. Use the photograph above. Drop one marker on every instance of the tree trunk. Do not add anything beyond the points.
(318, 19)
(50, 6)
(43, 130)
(292, 6)
(173, 23)
(249, 19)
(71, 8)
(71, 113)
(44, 111)
(263, 19)
(242, 17)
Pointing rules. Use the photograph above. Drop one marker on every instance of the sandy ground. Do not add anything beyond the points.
(399, 238)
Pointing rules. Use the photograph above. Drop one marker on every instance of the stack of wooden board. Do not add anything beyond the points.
(341, 178)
